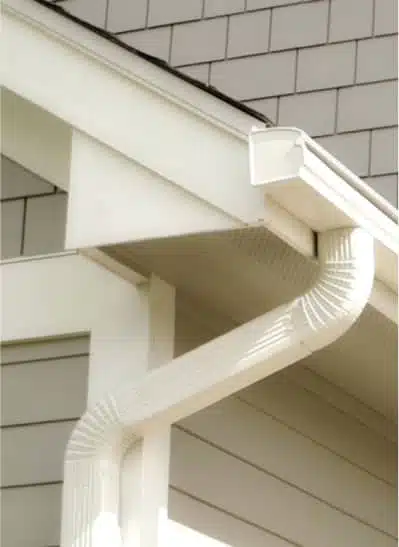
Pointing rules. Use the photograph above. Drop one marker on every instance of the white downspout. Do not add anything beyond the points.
(204, 376)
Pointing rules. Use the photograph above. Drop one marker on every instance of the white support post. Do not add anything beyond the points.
(145, 469)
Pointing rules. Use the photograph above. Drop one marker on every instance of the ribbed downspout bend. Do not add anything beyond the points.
(204, 376)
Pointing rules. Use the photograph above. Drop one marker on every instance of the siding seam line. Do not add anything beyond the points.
(38, 424)
(22, 244)
(317, 443)
(44, 359)
(337, 408)
(282, 480)
(30, 485)
(233, 515)
(359, 402)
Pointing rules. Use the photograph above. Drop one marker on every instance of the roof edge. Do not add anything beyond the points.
(160, 63)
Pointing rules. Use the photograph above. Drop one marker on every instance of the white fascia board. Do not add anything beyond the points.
(161, 122)
(96, 49)
(300, 182)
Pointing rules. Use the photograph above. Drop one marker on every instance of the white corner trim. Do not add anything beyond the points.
(205, 375)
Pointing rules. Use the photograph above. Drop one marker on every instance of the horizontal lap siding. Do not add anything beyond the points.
(292, 460)
(250, 494)
(43, 394)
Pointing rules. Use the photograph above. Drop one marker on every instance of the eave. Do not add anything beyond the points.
(200, 176)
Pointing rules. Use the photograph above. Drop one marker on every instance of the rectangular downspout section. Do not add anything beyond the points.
(201, 377)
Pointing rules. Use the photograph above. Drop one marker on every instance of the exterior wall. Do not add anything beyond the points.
(292, 460)
(44, 388)
(326, 66)
(33, 213)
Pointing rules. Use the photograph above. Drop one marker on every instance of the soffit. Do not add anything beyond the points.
(231, 277)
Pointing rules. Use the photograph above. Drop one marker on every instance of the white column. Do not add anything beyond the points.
(145, 470)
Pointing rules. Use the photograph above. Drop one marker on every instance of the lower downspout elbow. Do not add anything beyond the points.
(204, 376)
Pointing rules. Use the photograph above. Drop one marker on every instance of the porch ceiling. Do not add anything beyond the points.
(238, 275)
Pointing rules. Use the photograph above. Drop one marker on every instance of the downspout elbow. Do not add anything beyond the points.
(332, 305)
(201, 377)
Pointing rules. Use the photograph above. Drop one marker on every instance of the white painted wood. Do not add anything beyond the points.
(241, 489)
(31, 516)
(197, 524)
(35, 139)
(136, 122)
(133, 67)
(280, 451)
(141, 205)
(145, 469)
(34, 454)
(44, 390)
(326, 425)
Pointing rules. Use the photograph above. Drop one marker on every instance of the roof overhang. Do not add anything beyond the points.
(154, 158)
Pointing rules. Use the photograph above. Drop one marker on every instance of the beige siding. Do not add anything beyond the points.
(293, 445)
(43, 394)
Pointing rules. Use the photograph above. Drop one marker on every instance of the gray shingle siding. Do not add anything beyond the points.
(33, 213)
(288, 59)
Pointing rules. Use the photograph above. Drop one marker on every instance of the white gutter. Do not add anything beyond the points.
(202, 377)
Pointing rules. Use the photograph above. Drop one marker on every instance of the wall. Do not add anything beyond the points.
(292, 460)
(33, 213)
(43, 394)
(326, 66)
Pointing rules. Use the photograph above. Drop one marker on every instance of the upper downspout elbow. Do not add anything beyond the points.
(333, 304)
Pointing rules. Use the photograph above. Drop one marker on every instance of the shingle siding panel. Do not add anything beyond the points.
(248, 33)
(45, 224)
(367, 106)
(19, 182)
(92, 12)
(299, 25)
(199, 72)
(350, 19)
(326, 66)
(256, 77)
(268, 107)
(377, 59)
(199, 42)
(126, 15)
(352, 149)
(223, 7)
(387, 186)
(386, 17)
(173, 11)
(312, 112)
(257, 4)
(155, 42)
(12, 213)
(384, 151)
